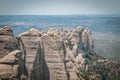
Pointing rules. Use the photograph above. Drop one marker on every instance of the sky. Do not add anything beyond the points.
(59, 7)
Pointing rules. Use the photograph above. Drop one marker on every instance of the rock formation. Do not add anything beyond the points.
(7, 42)
(12, 65)
(47, 55)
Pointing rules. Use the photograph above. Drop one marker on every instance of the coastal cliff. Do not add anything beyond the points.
(55, 54)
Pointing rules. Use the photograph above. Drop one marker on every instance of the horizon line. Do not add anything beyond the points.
(60, 15)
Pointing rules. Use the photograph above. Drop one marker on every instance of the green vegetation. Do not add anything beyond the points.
(79, 62)
(70, 45)
(68, 75)
(106, 70)
(18, 38)
(85, 76)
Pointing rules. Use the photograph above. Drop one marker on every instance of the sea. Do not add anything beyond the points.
(105, 29)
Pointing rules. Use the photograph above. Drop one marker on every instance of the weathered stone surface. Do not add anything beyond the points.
(51, 45)
(30, 44)
(59, 52)
(12, 66)
(7, 30)
(52, 55)
(12, 58)
(6, 71)
(47, 55)
(7, 42)
(90, 41)
(31, 32)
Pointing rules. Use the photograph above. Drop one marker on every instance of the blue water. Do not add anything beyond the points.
(96, 24)
(106, 30)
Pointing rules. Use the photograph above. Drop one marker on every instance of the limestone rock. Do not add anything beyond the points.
(90, 41)
(12, 58)
(30, 46)
(7, 42)
(31, 32)
(53, 56)
(46, 55)
(7, 30)
(12, 66)
(6, 71)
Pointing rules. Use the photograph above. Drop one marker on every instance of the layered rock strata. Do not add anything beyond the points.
(12, 65)
(47, 55)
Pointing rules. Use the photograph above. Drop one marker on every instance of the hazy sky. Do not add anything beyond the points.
(59, 7)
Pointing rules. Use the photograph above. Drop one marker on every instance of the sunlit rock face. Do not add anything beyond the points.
(12, 66)
(46, 55)
(56, 54)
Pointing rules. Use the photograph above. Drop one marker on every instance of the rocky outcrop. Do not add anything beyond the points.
(6, 31)
(7, 42)
(58, 52)
(35, 62)
(48, 55)
(44, 50)
(12, 65)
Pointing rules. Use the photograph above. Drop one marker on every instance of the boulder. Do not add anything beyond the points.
(7, 30)
(12, 65)
(12, 58)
